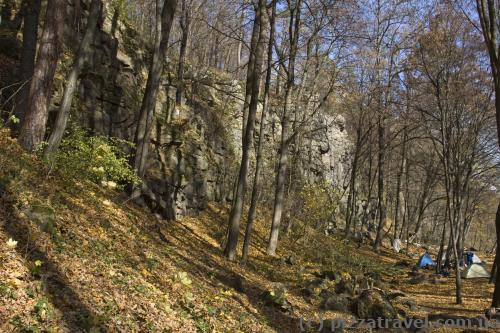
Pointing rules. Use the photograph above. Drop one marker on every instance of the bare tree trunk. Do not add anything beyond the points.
(248, 95)
(351, 198)
(258, 165)
(72, 79)
(250, 74)
(31, 10)
(240, 43)
(279, 197)
(34, 125)
(458, 283)
(165, 18)
(381, 190)
(370, 186)
(399, 192)
(496, 293)
(494, 270)
(185, 22)
(439, 260)
(489, 16)
(237, 207)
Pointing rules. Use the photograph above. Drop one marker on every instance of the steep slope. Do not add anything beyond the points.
(77, 258)
(86, 260)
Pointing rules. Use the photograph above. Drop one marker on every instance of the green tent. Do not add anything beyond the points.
(475, 271)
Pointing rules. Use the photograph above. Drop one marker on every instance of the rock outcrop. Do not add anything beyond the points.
(195, 149)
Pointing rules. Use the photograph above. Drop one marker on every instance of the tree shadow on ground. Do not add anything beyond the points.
(206, 258)
(77, 316)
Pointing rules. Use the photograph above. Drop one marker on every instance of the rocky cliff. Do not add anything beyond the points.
(194, 154)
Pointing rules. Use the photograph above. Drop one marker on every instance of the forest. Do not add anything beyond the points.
(249, 165)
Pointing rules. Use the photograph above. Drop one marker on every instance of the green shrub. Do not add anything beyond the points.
(96, 158)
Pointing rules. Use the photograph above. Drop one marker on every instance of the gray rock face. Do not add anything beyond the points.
(195, 149)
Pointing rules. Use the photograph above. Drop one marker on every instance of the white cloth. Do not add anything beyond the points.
(396, 245)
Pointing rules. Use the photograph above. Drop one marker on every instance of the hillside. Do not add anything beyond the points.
(88, 261)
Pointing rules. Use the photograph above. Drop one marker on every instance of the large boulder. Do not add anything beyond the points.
(43, 215)
(345, 286)
(336, 302)
(277, 296)
(373, 304)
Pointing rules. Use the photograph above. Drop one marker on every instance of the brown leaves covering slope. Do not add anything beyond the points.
(107, 266)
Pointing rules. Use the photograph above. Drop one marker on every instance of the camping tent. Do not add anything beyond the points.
(475, 259)
(475, 271)
(425, 260)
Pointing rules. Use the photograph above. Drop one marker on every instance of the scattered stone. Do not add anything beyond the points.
(240, 284)
(418, 279)
(345, 286)
(43, 215)
(373, 304)
(401, 312)
(395, 294)
(291, 260)
(411, 304)
(335, 302)
(369, 280)
(330, 275)
(3, 187)
(276, 297)
(436, 280)
(308, 291)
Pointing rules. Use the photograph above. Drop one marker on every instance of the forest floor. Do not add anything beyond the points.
(86, 260)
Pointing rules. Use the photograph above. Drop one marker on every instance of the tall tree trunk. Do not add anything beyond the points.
(399, 192)
(439, 260)
(164, 19)
(72, 79)
(240, 43)
(351, 198)
(496, 293)
(249, 78)
(381, 180)
(494, 268)
(34, 125)
(489, 17)
(237, 207)
(458, 282)
(279, 197)
(258, 165)
(185, 22)
(31, 9)
(248, 96)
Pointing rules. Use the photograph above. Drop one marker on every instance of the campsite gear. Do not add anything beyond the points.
(396, 245)
(425, 261)
(469, 258)
(445, 272)
(476, 259)
(475, 271)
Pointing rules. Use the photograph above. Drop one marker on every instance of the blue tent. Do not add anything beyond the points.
(425, 260)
